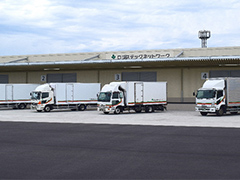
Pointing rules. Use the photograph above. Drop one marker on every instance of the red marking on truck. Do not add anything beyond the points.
(149, 102)
(15, 100)
(77, 101)
(115, 104)
(204, 103)
(221, 100)
(237, 102)
(48, 101)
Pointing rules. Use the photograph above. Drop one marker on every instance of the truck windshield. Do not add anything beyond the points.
(208, 94)
(35, 95)
(104, 96)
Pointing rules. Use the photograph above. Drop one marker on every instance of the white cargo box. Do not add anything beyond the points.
(75, 93)
(233, 91)
(16, 93)
(146, 93)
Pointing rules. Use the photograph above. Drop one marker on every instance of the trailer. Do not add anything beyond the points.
(117, 97)
(219, 96)
(16, 95)
(75, 96)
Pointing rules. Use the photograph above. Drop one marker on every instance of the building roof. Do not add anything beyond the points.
(229, 56)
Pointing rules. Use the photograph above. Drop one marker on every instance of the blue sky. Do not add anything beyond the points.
(74, 26)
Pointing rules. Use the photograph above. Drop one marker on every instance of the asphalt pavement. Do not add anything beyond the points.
(87, 151)
(174, 144)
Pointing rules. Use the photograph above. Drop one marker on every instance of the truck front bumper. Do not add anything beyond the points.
(106, 109)
(38, 107)
(205, 109)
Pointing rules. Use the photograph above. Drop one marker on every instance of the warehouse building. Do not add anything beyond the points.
(184, 69)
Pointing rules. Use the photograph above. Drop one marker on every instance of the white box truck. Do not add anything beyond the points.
(75, 96)
(119, 96)
(219, 95)
(16, 95)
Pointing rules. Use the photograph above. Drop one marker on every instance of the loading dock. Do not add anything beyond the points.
(185, 70)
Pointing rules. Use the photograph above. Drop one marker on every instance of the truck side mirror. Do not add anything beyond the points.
(194, 94)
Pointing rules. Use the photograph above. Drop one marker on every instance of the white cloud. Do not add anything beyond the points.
(25, 12)
(61, 26)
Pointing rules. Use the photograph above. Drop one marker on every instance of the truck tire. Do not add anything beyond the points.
(47, 109)
(21, 106)
(203, 113)
(138, 109)
(81, 107)
(149, 109)
(118, 110)
(220, 112)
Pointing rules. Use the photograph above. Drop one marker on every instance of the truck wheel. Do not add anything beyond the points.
(149, 109)
(203, 113)
(22, 106)
(117, 110)
(220, 112)
(138, 109)
(47, 109)
(81, 107)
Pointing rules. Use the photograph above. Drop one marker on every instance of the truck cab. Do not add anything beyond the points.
(110, 102)
(211, 97)
(42, 98)
(111, 98)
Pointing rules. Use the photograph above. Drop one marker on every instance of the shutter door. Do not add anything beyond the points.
(51, 78)
(4, 79)
(214, 74)
(130, 76)
(225, 73)
(235, 73)
(70, 77)
(139, 76)
(67, 77)
(148, 76)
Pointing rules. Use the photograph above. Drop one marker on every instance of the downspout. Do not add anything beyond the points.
(27, 77)
(182, 85)
(98, 76)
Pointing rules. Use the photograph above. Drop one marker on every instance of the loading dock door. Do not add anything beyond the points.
(139, 76)
(224, 73)
(62, 77)
(4, 79)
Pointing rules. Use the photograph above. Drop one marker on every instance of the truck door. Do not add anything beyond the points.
(9, 92)
(69, 93)
(138, 93)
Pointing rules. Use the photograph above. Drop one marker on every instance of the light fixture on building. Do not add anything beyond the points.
(51, 69)
(204, 35)
(229, 65)
(133, 67)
